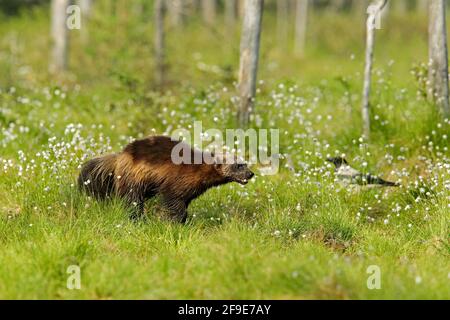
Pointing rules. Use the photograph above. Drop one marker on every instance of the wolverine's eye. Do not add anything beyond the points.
(240, 166)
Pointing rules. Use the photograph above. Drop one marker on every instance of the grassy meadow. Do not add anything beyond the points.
(295, 235)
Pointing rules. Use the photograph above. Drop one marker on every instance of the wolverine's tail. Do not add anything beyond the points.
(97, 176)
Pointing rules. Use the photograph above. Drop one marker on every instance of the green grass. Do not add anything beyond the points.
(288, 236)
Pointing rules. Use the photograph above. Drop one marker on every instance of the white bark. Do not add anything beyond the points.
(209, 11)
(250, 39)
(301, 20)
(438, 54)
(59, 36)
(159, 42)
(374, 14)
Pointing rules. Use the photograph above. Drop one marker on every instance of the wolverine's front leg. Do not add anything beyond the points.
(176, 208)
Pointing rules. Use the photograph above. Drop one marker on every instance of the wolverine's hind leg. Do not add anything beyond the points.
(136, 201)
(176, 208)
(137, 210)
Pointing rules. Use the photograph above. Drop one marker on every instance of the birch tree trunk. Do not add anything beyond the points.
(59, 36)
(282, 21)
(209, 11)
(374, 12)
(230, 12)
(438, 55)
(250, 38)
(176, 12)
(159, 43)
(301, 20)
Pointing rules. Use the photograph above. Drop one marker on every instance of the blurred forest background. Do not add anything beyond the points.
(116, 39)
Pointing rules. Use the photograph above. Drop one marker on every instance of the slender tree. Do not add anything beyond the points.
(301, 19)
(282, 21)
(250, 38)
(230, 12)
(438, 55)
(176, 11)
(374, 12)
(59, 36)
(159, 42)
(209, 11)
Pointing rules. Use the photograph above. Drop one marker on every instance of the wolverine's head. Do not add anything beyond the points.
(237, 171)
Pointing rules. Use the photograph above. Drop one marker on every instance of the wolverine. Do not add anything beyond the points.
(151, 166)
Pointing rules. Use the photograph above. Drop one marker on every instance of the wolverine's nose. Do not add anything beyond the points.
(250, 175)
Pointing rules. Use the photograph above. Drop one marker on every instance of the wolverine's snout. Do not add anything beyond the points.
(244, 177)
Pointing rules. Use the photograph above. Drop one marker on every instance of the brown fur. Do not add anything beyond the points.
(145, 168)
